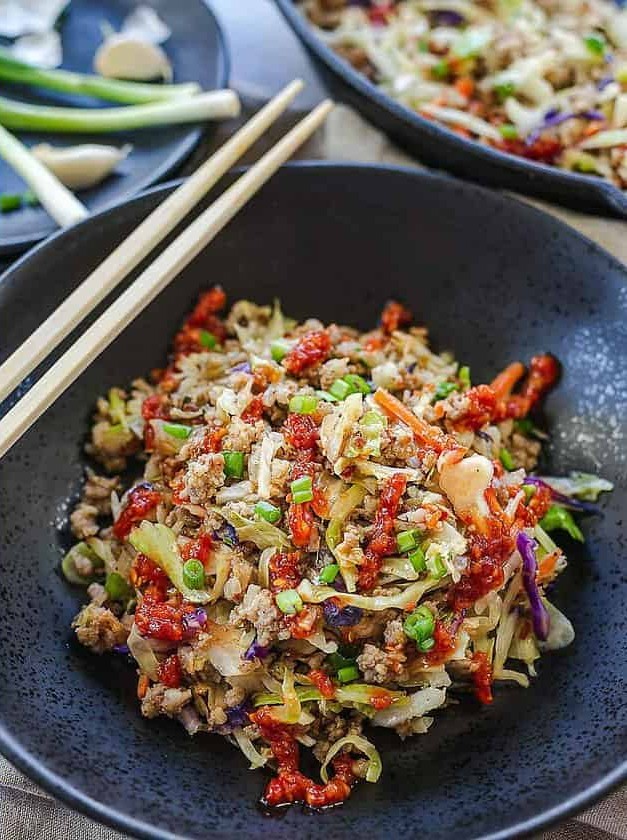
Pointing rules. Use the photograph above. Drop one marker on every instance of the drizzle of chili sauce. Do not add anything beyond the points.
(204, 313)
(323, 683)
(290, 785)
(543, 373)
(481, 406)
(159, 619)
(144, 571)
(300, 431)
(170, 672)
(212, 441)
(284, 570)
(395, 316)
(314, 347)
(253, 411)
(199, 548)
(487, 553)
(380, 699)
(545, 149)
(445, 644)
(382, 541)
(481, 672)
(300, 517)
(528, 515)
(140, 501)
(304, 623)
(379, 14)
(153, 407)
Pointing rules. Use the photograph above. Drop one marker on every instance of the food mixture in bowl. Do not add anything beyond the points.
(333, 531)
(543, 79)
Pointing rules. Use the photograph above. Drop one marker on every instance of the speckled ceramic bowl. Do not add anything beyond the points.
(496, 281)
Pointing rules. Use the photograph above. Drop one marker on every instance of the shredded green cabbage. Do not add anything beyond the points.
(261, 533)
(143, 654)
(247, 747)
(317, 594)
(158, 542)
(363, 745)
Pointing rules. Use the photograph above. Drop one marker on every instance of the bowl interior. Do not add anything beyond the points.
(495, 281)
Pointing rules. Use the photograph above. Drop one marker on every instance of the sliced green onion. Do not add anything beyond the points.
(464, 377)
(558, 518)
(267, 511)
(373, 418)
(10, 202)
(406, 541)
(341, 389)
(529, 490)
(208, 339)
(508, 131)
(426, 644)
(358, 383)
(326, 396)
(441, 70)
(595, 43)
(233, 464)
(280, 348)
(418, 560)
(289, 601)
(303, 404)
(524, 426)
(504, 90)
(329, 573)
(348, 674)
(435, 566)
(112, 90)
(420, 624)
(336, 661)
(443, 390)
(505, 457)
(22, 116)
(117, 588)
(30, 199)
(177, 430)
(194, 574)
(302, 490)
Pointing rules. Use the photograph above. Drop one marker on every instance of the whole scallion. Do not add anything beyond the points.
(111, 90)
(215, 105)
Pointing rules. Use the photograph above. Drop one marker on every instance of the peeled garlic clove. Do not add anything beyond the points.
(81, 167)
(128, 57)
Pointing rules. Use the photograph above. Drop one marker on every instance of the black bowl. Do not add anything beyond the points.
(437, 146)
(495, 280)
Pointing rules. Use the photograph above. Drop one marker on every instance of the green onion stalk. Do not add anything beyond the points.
(214, 105)
(84, 84)
(62, 205)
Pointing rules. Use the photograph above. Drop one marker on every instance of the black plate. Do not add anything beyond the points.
(437, 146)
(495, 280)
(197, 51)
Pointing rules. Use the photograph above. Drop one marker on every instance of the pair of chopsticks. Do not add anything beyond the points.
(156, 276)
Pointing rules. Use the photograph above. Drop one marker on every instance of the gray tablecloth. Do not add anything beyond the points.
(265, 57)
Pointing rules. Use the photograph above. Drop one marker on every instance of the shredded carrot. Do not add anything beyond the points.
(546, 566)
(424, 433)
(466, 86)
(142, 686)
(502, 384)
(591, 128)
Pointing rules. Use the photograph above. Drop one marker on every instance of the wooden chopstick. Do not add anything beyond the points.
(151, 281)
(138, 245)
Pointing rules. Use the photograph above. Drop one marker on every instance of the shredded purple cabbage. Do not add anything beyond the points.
(257, 651)
(447, 17)
(194, 621)
(539, 614)
(238, 715)
(242, 367)
(555, 117)
(604, 82)
(336, 616)
(123, 649)
(565, 501)
(227, 534)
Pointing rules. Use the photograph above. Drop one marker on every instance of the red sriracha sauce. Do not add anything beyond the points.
(290, 785)
(253, 410)
(199, 549)
(481, 672)
(314, 347)
(445, 644)
(395, 316)
(158, 620)
(284, 570)
(170, 673)
(383, 539)
(323, 683)
(140, 501)
(487, 555)
(301, 431)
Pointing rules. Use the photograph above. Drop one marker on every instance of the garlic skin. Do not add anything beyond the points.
(41, 49)
(128, 57)
(143, 22)
(83, 166)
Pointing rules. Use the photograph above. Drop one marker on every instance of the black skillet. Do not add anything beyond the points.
(437, 146)
(495, 280)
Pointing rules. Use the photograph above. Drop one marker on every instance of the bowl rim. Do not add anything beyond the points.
(24, 243)
(611, 196)
(65, 791)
